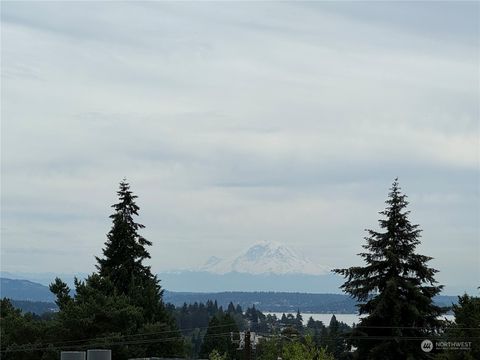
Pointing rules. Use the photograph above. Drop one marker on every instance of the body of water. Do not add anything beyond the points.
(348, 319)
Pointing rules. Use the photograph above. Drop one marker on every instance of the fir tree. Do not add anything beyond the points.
(238, 309)
(311, 323)
(61, 291)
(231, 308)
(395, 289)
(123, 298)
(299, 321)
(123, 256)
(335, 341)
(125, 249)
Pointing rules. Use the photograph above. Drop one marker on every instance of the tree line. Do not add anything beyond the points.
(120, 306)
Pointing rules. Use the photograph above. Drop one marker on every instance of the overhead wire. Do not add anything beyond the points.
(138, 334)
(127, 338)
(42, 347)
(114, 343)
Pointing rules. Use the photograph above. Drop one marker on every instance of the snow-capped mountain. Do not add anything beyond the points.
(265, 258)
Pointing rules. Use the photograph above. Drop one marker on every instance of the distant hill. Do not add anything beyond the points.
(281, 301)
(44, 278)
(270, 301)
(25, 290)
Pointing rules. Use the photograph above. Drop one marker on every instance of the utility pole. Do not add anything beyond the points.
(245, 343)
(248, 346)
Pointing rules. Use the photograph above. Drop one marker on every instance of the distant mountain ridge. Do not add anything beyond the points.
(31, 296)
(25, 290)
(44, 278)
(265, 258)
(282, 301)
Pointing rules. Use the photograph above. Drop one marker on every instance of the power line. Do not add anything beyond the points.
(101, 340)
(129, 339)
(160, 340)
(115, 343)
(68, 342)
(412, 327)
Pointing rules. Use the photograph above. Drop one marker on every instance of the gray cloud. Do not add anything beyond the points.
(238, 123)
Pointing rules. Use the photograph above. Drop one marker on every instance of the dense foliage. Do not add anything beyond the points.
(275, 348)
(205, 337)
(218, 336)
(35, 307)
(19, 332)
(465, 328)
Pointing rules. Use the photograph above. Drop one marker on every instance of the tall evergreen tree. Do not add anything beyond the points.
(123, 256)
(335, 342)
(395, 289)
(299, 321)
(123, 298)
(125, 250)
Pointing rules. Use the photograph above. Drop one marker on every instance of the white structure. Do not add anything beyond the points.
(99, 354)
(72, 355)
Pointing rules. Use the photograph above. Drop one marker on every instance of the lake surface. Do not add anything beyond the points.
(348, 319)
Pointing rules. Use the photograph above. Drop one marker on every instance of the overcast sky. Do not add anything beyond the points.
(237, 123)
